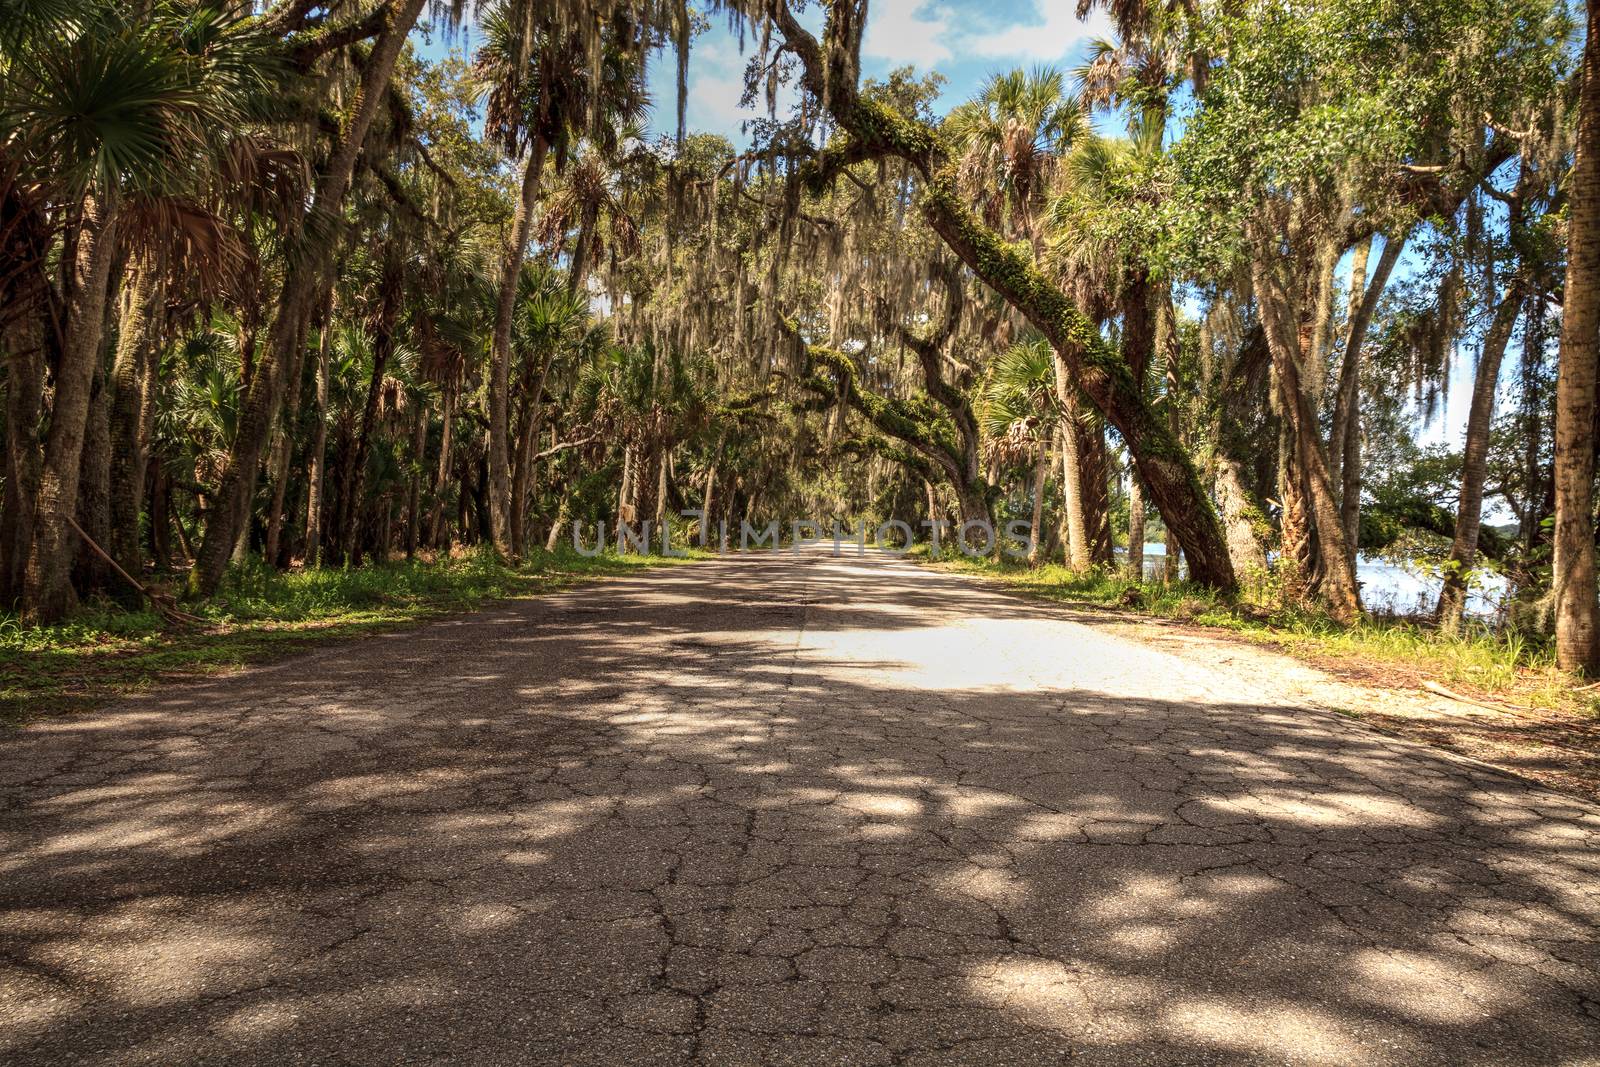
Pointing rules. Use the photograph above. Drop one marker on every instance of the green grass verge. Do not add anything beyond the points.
(1509, 666)
(261, 614)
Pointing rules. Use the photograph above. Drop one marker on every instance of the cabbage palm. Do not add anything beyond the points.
(102, 103)
(541, 89)
(1011, 136)
(306, 281)
(1019, 414)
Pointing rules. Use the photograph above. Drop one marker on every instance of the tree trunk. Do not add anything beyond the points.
(1344, 447)
(1294, 525)
(1576, 608)
(1077, 554)
(160, 517)
(316, 463)
(441, 479)
(90, 571)
(130, 403)
(1469, 509)
(354, 474)
(24, 394)
(522, 482)
(1242, 518)
(419, 445)
(1094, 483)
(1135, 525)
(500, 499)
(305, 277)
(46, 592)
(1041, 470)
(278, 465)
(1309, 467)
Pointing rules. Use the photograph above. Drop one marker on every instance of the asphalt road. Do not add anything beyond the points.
(782, 810)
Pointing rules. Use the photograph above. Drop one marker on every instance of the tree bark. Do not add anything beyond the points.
(441, 479)
(130, 379)
(304, 279)
(278, 465)
(419, 445)
(1309, 466)
(24, 396)
(1573, 575)
(522, 480)
(354, 475)
(91, 573)
(1135, 525)
(1344, 447)
(1469, 508)
(316, 463)
(1077, 554)
(1041, 471)
(47, 593)
(500, 489)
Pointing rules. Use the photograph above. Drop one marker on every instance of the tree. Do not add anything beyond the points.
(1577, 601)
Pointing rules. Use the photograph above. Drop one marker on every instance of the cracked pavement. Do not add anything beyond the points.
(771, 809)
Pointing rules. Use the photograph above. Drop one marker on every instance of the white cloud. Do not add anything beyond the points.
(1056, 34)
(906, 31)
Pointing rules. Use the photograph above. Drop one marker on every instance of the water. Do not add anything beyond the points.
(1386, 587)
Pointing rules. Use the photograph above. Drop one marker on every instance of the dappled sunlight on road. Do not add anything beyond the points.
(777, 809)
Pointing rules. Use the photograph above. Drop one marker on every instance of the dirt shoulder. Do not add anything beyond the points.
(1556, 748)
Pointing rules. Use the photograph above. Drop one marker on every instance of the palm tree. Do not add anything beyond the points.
(1011, 136)
(541, 90)
(307, 279)
(104, 104)
(1019, 414)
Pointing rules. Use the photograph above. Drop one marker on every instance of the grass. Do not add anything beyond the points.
(262, 614)
(1507, 667)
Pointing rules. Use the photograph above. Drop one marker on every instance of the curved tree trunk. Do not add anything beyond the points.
(500, 490)
(306, 278)
(47, 593)
(1308, 465)
(1469, 508)
(1344, 447)
(1576, 608)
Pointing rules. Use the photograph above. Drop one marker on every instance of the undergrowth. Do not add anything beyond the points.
(259, 614)
(1511, 665)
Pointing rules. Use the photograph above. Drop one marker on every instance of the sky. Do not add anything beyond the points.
(964, 40)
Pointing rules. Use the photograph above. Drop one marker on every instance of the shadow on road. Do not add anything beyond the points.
(774, 810)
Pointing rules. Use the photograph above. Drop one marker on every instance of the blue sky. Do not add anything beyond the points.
(963, 40)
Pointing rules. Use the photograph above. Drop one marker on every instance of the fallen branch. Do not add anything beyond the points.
(1449, 694)
(164, 604)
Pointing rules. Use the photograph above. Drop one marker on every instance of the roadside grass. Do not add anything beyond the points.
(1509, 667)
(262, 614)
